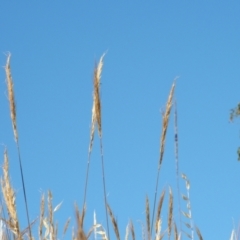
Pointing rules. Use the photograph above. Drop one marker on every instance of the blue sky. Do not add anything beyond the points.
(55, 46)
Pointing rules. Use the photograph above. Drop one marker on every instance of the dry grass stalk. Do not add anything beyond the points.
(158, 229)
(96, 118)
(188, 214)
(50, 216)
(51, 229)
(56, 231)
(175, 231)
(11, 97)
(114, 222)
(14, 123)
(148, 218)
(188, 235)
(4, 235)
(100, 232)
(158, 218)
(162, 142)
(132, 230)
(96, 229)
(177, 163)
(96, 109)
(165, 123)
(127, 232)
(42, 208)
(97, 101)
(9, 198)
(92, 129)
(143, 231)
(199, 233)
(4, 231)
(66, 226)
(170, 212)
(176, 138)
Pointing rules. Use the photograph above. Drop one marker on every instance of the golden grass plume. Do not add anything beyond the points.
(165, 123)
(11, 96)
(96, 109)
(9, 198)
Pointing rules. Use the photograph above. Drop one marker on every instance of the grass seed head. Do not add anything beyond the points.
(158, 217)
(96, 95)
(165, 122)
(11, 98)
(9, 198)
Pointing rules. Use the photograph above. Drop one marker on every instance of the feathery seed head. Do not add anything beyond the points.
(165, 122)
(9, 197)
(11, 97)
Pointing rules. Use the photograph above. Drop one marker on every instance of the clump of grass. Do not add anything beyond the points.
(48, 229)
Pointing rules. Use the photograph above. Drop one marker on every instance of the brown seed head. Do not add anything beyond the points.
(9, 198)
(165, 122)
(11, 97)
(97, 101)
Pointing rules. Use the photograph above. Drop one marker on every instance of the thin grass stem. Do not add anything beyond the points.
(104, 186)
(177, 164)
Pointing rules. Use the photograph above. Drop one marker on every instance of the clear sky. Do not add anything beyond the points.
(54, 47)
